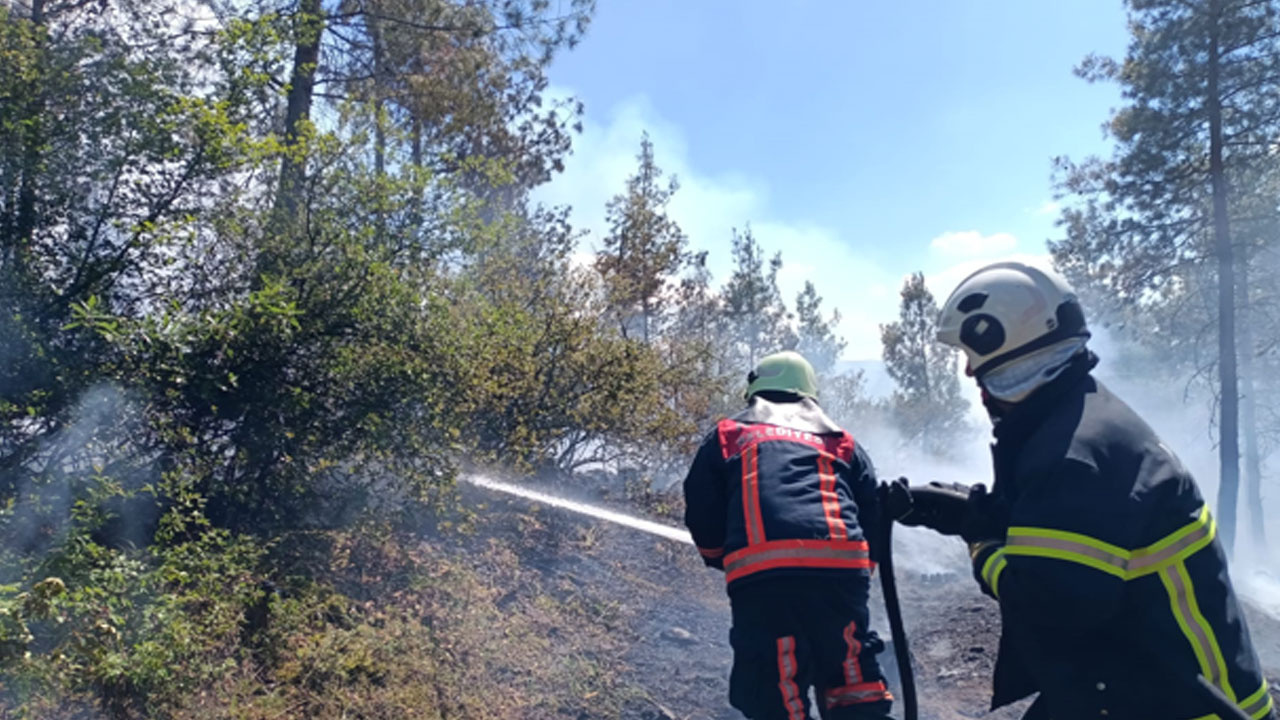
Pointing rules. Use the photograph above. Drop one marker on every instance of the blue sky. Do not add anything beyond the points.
(865, 140)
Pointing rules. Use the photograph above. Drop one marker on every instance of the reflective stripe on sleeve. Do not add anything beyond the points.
(992, 568)
(1256, 706)
(1069, 546)
(1177, 546)
(1204, 644)
(1259, 704)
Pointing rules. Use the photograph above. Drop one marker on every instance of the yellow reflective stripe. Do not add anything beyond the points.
(1032, 548)
(1069, 537)
(1182, 601)
(991, 570)
(1266, 709)
(1176, 535)
(1214, 647)
(1176, 606)
(1262, 692)
(1259, 704)
(1069, 546)
(1256, 706)
(1179, 546)
(1112, 559)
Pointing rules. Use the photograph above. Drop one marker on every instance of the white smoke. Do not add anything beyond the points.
(41, 514)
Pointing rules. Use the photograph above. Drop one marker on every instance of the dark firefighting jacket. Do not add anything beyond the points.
(1113, 589)
(780, 489)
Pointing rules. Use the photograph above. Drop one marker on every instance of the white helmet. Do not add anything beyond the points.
(1007, 311)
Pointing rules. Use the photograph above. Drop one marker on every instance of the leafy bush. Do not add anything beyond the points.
(135, 631)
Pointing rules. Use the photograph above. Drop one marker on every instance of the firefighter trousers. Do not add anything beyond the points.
(791, 634)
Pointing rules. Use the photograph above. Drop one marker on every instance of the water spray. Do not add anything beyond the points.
(647, 526)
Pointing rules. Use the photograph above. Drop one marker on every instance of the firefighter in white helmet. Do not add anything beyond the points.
(1113, 589)
(1020, 328)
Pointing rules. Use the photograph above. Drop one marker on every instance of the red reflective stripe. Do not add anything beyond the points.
(751, 496)
(786, 678)
(746, 499)
(852, 668)
(797, 553)
(755, 491)
(830, 500)
(828, 563)
(711, 552)
(797, 544)
(856, 693)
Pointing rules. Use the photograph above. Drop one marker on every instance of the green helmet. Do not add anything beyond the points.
(786, 371)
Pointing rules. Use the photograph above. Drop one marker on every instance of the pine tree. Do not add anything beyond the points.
(927, 404)
(644, 250)
(757, 321)
(1156, 223)
(703, 382)
(466, 78)
(844, 398)
(816, 337)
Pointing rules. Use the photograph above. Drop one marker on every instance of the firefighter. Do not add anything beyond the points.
(1114, 594)
(784, 501)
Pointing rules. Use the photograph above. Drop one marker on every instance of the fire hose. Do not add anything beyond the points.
(893, 609)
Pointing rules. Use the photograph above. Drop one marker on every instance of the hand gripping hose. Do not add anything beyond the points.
(894, 610)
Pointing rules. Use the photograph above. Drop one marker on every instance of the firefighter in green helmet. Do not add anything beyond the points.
(784, 501)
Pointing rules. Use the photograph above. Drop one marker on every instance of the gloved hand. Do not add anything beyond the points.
(986, 517)
(947, 508)
(939, 507)
(895, 499)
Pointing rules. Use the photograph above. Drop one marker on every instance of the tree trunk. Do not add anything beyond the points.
(417, 143)
(1228, 444)
(646, 312)
(1249, 410)
(379, 121)
(308, 29)
(415, 154)
(26, 221)
(379, 51)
